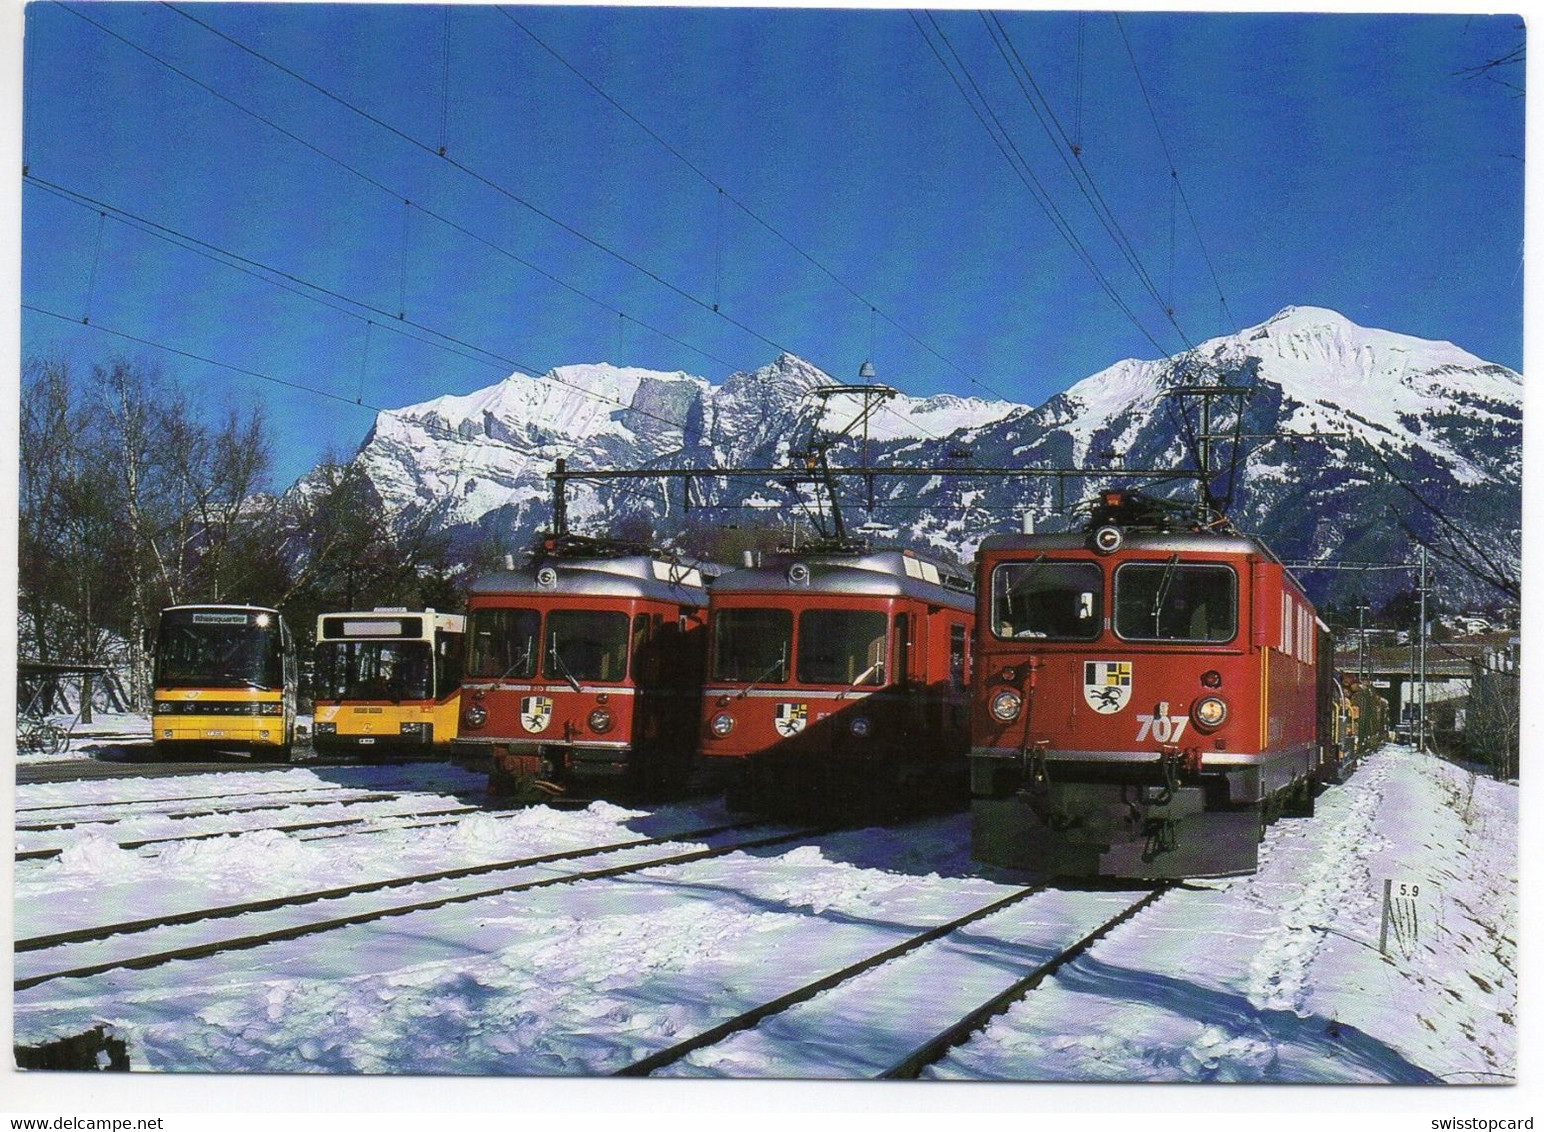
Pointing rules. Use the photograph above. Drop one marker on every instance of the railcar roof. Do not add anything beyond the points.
(1172, 542)
(883, 573)
(627, 576)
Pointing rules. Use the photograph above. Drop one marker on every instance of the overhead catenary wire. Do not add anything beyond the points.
(388, 317)
(1081, 175)
(391, 192)
(1174, 171)
(981, 108)
(420, 145)
(724, 194)
(482, 179)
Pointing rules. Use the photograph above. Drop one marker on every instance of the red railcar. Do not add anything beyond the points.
(1146, 698)
(583, 666)
(837, 681)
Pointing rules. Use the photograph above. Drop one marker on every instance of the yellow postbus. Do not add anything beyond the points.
(387, 681)
(225, 679)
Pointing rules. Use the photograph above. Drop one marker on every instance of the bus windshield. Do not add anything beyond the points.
(585, 644)
(374, 670)
(219, 649)
(752, 645)
(1046, 599)
(502, 643)
(841, 646)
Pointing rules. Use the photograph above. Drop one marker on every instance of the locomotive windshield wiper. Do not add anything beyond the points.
(557, 658)
(523, 665)
(862, 677)
(1163, 590)
(775, 666)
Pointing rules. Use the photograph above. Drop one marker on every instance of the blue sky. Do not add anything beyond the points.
(1331, 160)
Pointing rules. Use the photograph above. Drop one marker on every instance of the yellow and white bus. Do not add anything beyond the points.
(387, 681)
(225, 679)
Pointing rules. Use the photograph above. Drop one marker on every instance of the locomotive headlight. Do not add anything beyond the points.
(163, 706)
(1006, 705)
(476, 716)
(1107, 540)
(722, 724)
(860, 727)
(600, 721)
(1209, 713)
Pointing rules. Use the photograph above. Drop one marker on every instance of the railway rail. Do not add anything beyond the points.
(937, 1045)
(211, 811)
(71, 947)
(51, 852)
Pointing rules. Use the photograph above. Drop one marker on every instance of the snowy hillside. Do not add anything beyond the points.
(1353, 408)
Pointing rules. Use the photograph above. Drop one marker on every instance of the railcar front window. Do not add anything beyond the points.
(373, 670)
(841, 646)
(1047, 600)
(585, 644)
(1175, 601)
(238, 652)
(752, 645)
(503, 643)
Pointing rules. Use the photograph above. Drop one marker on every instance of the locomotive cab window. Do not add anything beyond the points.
(752, 645)
(1049, 600)
(585, 644)
(1175, 601)
(841, 646)
(502, 643)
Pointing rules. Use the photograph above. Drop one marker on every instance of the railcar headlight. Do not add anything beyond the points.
(1107, 540)
(1006, 705)
(1209, 713)
(476, 716)
(860, 726)
(163, 706)
(325, 729)
(722, 724)
(600, 721)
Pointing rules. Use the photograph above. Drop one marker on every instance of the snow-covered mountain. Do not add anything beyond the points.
(1374, 432)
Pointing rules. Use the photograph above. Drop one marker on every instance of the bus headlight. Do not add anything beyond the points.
(860, 727)
(600, 721)
(1209, 713)
(476, 716)
(722, 724)
(1006, 705)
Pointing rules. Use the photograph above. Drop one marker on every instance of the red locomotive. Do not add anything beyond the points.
(583, 666)
(1146, 697)
(837, 680)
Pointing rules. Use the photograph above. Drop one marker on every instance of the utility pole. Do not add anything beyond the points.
(1421, 746)
(1361, 643)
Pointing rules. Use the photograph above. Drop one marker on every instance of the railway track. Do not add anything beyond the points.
(151, 942)
(210, 811)
(914, 950)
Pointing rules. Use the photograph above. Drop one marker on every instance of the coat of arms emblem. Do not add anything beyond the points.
(791, 718)
(1107, 685)
(535, 713)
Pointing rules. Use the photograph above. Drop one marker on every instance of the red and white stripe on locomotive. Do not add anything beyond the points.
(1144, 699)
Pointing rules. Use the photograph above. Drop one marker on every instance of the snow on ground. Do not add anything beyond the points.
(1274, 977)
